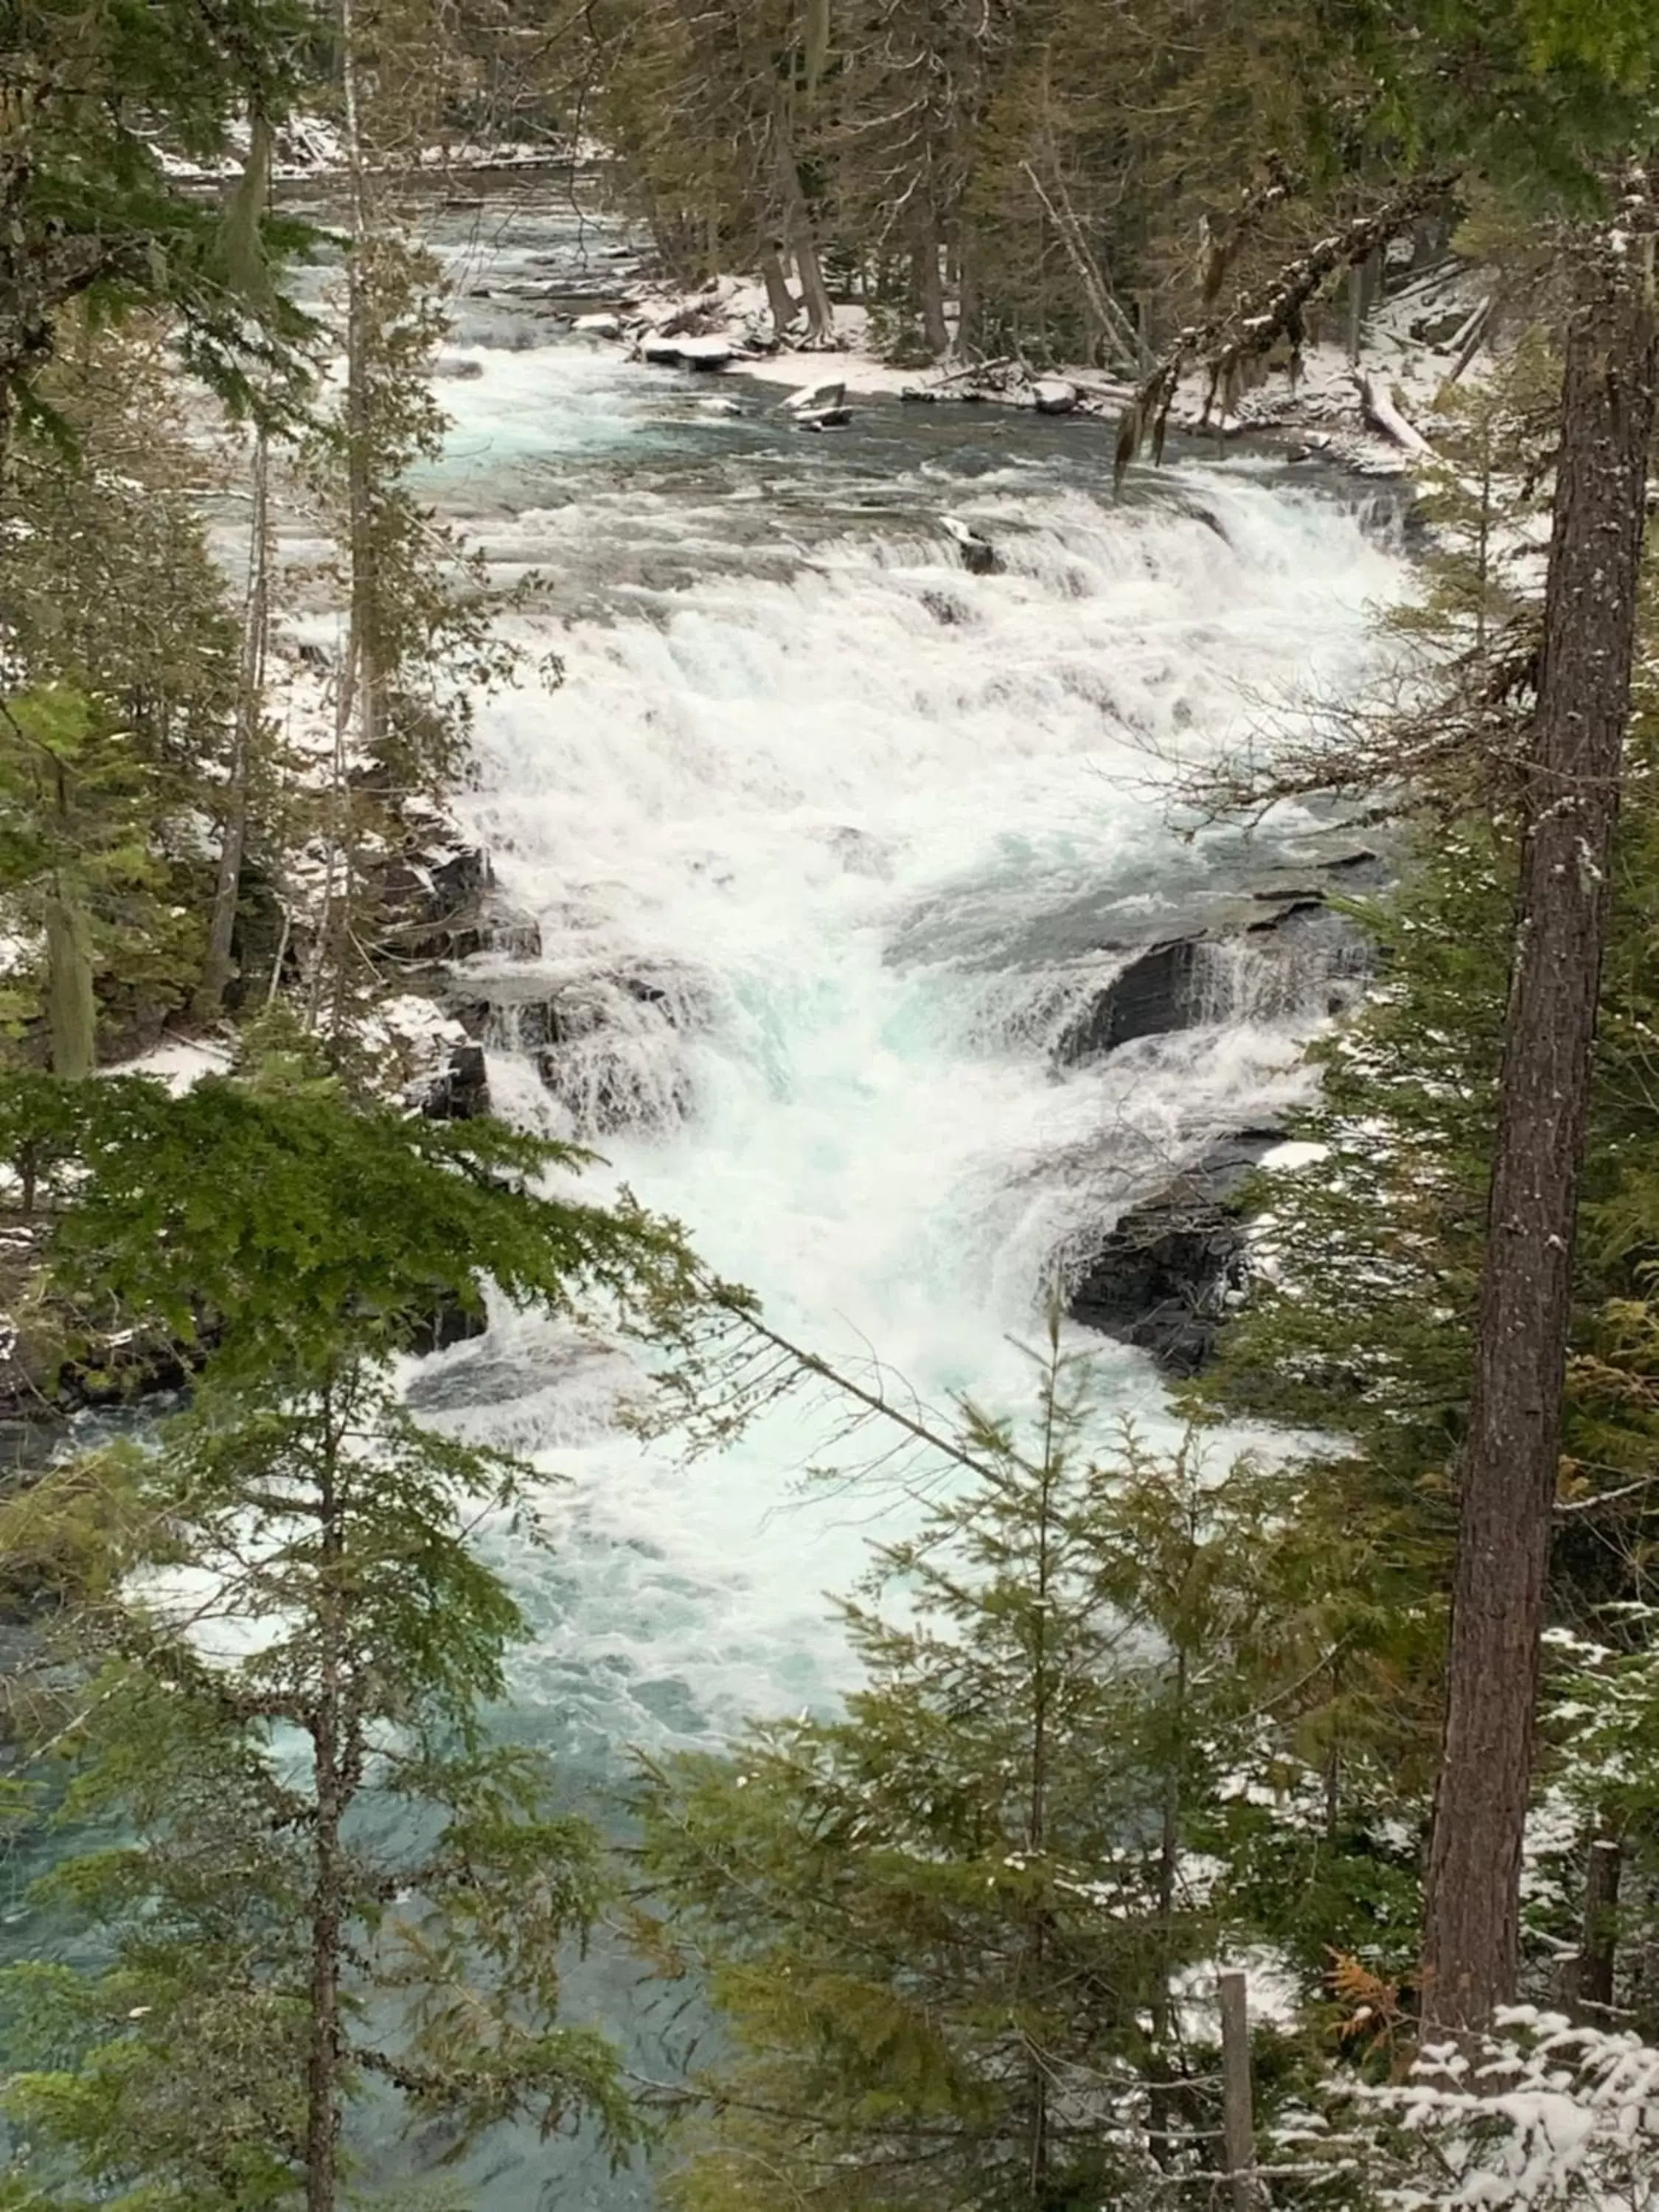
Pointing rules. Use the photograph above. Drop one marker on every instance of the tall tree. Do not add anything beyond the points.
(99, 107)
(389, 1912)
(946, 1930)
(1508, 1472)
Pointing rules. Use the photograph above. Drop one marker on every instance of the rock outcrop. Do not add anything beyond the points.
(1293, 955)
(607, 1045)
(460, 1091)
(1169, 1271)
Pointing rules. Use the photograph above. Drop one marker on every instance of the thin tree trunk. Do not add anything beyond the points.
(1598, 1950)
(1509, 1471)
(798, 225)
(1036, 1816)
(930, 292)
(358, 700)
(71, 1005)
(779, 297)
(324, 2056)
(227, 891)
(820, 314)
(970, 306)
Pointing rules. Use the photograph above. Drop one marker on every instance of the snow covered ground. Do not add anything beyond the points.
(1365, 414)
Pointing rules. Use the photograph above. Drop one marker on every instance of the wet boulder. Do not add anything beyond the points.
(452, 1320)
(1152, 996)
(979, 557)
(610, 1045)
(430, 896)
(1167, 1273)
(460, 1091)
(700, 352)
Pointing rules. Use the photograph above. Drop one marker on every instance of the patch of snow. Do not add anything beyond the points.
(180, 1063)
(1294, 1154)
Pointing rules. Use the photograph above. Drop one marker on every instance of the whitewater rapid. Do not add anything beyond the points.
(831, 840)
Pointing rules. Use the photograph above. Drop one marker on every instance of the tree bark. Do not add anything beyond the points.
(1598, 1951)
(71, 1007)
(1508, 1470)
(233, 841)
(327, 1734)
(797, 218)
(779, 298)
(930, 291)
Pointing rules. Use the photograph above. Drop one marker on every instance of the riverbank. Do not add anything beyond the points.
(1362, 411)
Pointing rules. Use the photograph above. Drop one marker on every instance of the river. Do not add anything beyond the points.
(832, 840)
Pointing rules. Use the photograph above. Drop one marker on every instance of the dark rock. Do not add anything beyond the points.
(450, 1321)
(1166, 1275)
(461, 1093)
(606, 1045)
(1300, 957)
(434, 901)
(824, 418)
(1152, 996)
(979, 557)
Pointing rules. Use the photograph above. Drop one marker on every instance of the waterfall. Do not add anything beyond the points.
(824, 843)
(843, 911)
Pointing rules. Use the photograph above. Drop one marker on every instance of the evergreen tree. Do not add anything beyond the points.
(322, 1879)
(946, 1931)
(102, 104)
(120, 661)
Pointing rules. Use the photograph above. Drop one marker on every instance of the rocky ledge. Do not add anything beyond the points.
(1172, 1268)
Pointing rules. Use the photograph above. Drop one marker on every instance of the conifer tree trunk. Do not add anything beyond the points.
(233, 844)
(1509, 1469)
(1036, 1818)
(330, 1750)
(359, 698)
(779, 297)
(930, 292)
(797, 223)
(71, 1008)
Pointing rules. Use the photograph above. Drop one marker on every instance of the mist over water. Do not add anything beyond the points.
(825, 841)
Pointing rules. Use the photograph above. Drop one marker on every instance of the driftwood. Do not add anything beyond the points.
(1227, 345)
(1380, 413)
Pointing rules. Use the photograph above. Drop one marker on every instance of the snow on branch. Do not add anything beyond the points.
(1227, 344)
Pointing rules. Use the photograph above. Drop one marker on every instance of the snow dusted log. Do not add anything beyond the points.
(1227, 346)
(979, 555)
(1376, 406)
(812, 399)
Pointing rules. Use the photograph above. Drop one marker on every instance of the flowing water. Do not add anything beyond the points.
(816, 854)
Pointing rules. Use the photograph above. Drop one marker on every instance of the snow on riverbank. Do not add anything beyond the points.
(1366, 414)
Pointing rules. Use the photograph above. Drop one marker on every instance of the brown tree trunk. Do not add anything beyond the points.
(779, 298)
(930, 291)
(325, 2051)
(71, 1004)
(233, 839)
(796, 220)
(1509, 1471)
(1598, 1950)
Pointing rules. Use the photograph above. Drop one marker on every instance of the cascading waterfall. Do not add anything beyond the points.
(827, 847)
(825, 842)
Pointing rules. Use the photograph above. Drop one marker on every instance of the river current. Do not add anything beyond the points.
(832, 840)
